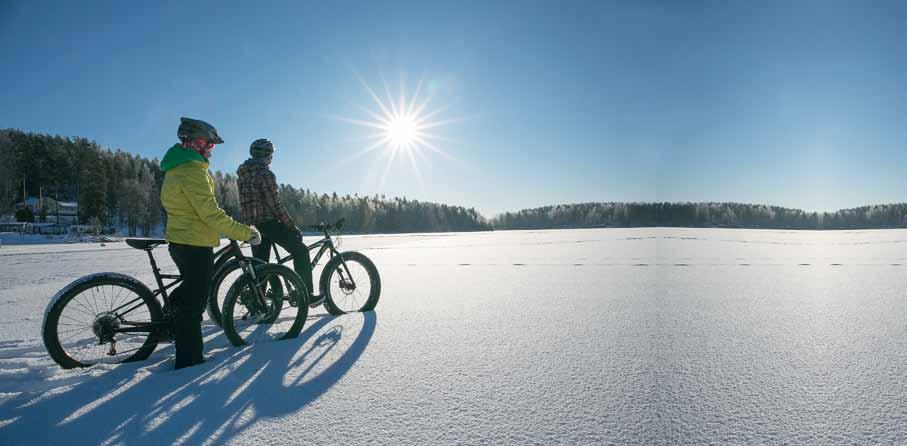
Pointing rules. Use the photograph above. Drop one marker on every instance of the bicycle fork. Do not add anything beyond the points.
(346, 283)
(248, 269)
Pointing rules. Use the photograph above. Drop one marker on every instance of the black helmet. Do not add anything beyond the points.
(261, 148)
(196, 128)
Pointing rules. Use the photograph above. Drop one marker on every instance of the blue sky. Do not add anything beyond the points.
(798, 105)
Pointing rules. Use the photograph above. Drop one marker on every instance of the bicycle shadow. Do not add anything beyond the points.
(209, 404)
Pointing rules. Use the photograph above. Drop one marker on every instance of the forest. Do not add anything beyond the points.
(701, 215)
(116, 188)
(119, 189)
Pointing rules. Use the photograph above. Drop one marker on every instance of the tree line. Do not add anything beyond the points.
(700, 215)
(116, 188)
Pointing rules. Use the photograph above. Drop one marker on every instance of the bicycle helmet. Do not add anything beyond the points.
(197, 129)
(261, 148)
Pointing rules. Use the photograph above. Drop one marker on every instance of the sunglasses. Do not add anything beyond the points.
(203, 144)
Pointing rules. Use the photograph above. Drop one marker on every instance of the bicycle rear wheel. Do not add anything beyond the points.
(246, 320)
(84, 322)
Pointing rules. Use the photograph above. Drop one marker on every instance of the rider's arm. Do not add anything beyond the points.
(272, 199)
(199, 189)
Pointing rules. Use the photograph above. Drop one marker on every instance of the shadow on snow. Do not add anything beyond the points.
(210, 403)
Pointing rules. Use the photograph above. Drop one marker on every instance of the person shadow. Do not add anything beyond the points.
(206, 404)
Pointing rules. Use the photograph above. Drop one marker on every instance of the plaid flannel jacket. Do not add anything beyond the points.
(258, 194)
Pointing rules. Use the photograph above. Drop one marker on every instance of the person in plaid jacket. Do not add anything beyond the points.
(262, 207)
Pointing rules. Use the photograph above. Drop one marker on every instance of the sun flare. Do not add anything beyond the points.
(402, 127)
(402, 131)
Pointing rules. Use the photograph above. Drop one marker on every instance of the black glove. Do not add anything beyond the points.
(298, 235)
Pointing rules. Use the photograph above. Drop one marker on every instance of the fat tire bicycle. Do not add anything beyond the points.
(348, 283)
(113, 318)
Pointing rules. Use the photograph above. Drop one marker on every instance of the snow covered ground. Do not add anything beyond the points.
(611, 336)
(14, 238)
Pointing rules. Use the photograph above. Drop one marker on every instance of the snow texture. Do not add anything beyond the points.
(613, 336)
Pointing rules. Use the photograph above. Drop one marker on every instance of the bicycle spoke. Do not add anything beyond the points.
(77, 321)
(94, 300)
(73, 329)
(84, 305)
(83, 312)
(115, 301)
(72, 336)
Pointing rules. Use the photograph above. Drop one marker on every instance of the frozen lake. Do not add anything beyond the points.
(610, 336)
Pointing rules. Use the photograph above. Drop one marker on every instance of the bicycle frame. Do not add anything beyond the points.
(231, 249)
(326, 244)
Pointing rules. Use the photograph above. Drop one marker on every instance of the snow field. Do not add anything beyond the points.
(610, 336)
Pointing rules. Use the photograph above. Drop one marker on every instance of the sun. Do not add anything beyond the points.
(403, 127)
(402, 131)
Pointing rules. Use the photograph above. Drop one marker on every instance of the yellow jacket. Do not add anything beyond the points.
(193, 216)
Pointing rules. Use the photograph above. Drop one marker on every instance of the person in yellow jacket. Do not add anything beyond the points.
(194, 225)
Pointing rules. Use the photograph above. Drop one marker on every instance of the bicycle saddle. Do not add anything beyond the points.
(145, 243)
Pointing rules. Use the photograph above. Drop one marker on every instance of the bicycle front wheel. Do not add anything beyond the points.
(101, 318)
(224, 278)
(276, 310)
(350, 283)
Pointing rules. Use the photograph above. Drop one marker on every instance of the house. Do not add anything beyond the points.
(31, 203)
(13, 226)
(32, 228)
(46, 228)
(64, 213)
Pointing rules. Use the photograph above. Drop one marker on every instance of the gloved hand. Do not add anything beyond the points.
(255, 239)
(297, 234)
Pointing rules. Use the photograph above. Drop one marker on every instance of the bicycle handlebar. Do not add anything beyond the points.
(322, 227)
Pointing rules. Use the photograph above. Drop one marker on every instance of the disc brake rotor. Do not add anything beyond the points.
(347, 286)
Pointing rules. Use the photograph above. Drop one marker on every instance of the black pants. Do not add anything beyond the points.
(272, 231)
(188, 301)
